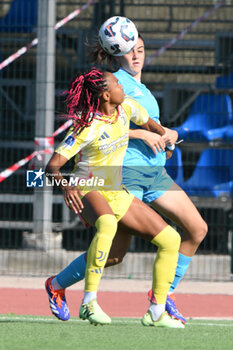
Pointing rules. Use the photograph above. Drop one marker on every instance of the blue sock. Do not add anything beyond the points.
(73, 273)
(182, 265)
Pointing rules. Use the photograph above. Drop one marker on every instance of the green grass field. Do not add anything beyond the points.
(35, 332)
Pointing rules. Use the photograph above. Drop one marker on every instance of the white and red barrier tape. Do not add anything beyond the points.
(34, 42)
(8, 172)
(183, 32)
(41, 141)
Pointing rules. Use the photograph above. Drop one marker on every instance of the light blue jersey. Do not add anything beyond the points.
(143, 171)
(137, 149)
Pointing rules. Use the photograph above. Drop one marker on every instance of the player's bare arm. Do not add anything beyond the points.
(150, 133)
(153, 126)
(153, 140)
(71, 193)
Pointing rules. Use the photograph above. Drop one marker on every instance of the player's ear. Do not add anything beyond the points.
(105, 96)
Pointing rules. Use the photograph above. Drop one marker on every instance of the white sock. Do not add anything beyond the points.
(55, 284)
(156, 310)
(89, 296)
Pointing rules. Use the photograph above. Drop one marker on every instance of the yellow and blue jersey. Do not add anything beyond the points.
(99, 149)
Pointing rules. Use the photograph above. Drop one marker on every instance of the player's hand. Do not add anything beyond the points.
(72, 198)
(170, 136)
(154, 141)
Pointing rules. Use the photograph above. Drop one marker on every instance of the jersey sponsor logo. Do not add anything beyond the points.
(113, 146)
(103, 136)
(138, 92)
(69, 141)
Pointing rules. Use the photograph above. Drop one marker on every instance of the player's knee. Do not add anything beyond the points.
(107, 223)
(173, 239)
(200, 232)
(114, 261)
(203, 230)
(119, 259)
(168, 239)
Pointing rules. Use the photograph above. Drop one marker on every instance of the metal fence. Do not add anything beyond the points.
(189, 46)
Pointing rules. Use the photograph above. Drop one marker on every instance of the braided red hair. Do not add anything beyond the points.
(83, 97)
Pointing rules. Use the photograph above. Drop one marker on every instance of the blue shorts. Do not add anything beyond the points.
(147, 187)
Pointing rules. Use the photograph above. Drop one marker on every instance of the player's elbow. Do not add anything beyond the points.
(152, 125)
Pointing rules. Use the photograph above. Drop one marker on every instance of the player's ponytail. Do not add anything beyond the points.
(98, 56)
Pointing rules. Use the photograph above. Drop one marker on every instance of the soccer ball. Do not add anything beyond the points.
(118, 35)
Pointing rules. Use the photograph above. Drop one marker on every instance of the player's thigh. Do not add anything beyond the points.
(177, 206)
(142, 221)
(95, 205)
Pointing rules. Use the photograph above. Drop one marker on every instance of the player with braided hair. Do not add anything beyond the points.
(101, 116)
(82, 100)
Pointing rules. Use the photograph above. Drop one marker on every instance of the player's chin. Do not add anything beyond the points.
(139, 68)
(136, 69)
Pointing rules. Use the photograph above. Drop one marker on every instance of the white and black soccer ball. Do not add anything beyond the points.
(118, 35)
